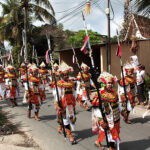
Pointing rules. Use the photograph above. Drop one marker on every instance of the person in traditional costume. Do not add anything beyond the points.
(33, 92)
(67, 95)
(25, 98)
(22, 72)
(12, 85)
(84, 82)
(2, 82)
(43, 74)
(110, 104)
(52, 82)
(127, 102)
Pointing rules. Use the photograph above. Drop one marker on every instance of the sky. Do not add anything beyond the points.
(97, 20)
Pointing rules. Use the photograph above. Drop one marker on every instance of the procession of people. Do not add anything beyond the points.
(107, 104)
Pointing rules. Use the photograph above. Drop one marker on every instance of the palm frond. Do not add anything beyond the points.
(42, 14)
(143, 6)
(46, 4)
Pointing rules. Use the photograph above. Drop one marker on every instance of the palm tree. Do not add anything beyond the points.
(11, 22)
(12, 19)
(143, 6)
(40, 13)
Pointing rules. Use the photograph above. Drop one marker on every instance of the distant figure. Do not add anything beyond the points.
(140, 83)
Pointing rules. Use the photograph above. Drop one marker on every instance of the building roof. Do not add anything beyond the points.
(139, 26)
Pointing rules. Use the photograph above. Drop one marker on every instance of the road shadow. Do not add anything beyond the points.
(48, 117)
(140, 120)
(136, 145)
(83, 134)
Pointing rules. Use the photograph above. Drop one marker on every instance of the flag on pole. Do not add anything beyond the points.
(47, 57)
(37, 60)
(22, 51)
(119, 52)
(9, 56)
(33, 53)
(18, 59)
(74, 59)
(85, 45)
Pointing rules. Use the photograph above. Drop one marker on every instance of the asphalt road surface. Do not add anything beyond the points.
(133, 137)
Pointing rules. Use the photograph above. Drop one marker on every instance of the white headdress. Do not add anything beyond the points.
(42, 64)
(23, 65)
(56, 65)
(83, 66)
(33, 68)
(9, 67)
(63, 67)
(105, 76)
(128, 67)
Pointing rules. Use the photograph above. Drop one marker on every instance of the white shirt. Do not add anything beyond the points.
(140, 77)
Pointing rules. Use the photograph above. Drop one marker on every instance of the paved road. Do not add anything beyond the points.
(133, 137)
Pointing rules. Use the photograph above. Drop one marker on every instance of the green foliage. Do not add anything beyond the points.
(77, 40)
(16, 50)
(113, 39)
(17, 59)
(55, 56)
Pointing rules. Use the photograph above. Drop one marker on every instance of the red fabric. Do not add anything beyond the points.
(114, 132)
(12, 92)
(33, 98)
(103, 80)
(101, 136)
(132, 70)
(119, 52)
(47, 57)
(130, 96)
(84, 49)
(74, 59)
(69, 100)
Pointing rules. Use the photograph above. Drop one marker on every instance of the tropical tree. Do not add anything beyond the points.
(12, 19)
(11, 22)
(143, 6)
(78, 39)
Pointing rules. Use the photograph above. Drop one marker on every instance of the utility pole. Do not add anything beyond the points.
(108, 39)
